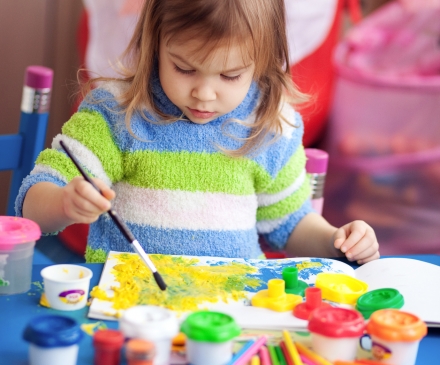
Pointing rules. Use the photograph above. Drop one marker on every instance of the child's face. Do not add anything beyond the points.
(204, 91)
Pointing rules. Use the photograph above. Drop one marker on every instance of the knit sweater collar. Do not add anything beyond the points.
(241, 112)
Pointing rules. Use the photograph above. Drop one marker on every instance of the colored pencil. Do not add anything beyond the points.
(255, 360)
(280, 355)
(307, 361)
(251, 351)
(264, 356)
(286, 353)
(119, 223)
(240, 352)
(273, 355)
(317, 359)
(293, 352)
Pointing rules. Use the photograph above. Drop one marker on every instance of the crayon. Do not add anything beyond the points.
(317, 359)
(273, 355)
(293, 352)
(286, 353)
(264, 356)
(280, 355)
(251, 351)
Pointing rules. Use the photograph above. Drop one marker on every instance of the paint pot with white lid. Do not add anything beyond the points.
(156, 324)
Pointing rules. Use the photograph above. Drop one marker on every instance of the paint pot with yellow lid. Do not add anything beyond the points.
(152, 323)
(395, 336)
(17, 242)
(209, 337)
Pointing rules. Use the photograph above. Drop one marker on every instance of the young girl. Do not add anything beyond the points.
(196, 145)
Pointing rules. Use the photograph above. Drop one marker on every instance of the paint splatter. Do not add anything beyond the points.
(189, 284)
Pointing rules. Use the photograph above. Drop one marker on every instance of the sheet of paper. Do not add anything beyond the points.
(417, 281)
(246, 315)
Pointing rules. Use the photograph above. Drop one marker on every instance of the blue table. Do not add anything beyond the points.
(17, 310)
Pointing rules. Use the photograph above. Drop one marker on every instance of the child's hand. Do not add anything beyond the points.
(82, 203)
(358, 241)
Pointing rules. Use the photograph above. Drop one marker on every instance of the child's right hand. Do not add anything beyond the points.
(82, 203)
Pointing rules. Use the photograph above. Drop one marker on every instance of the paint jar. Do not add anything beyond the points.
(151, 323)
(139, 352)
(395, 336)
(374, 300)
(336, 332)
(17, 242)
(53, 340)
(107, 344)
(66, 287)
(209, 337)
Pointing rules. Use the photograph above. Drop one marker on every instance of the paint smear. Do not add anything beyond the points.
(188, 285)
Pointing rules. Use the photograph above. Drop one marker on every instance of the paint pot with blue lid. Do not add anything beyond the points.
(53, 340)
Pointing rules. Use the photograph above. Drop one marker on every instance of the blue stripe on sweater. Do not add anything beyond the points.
(176, 242)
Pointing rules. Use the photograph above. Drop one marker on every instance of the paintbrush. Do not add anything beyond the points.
(121, 225)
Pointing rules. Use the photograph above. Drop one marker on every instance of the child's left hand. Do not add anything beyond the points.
(358, 241)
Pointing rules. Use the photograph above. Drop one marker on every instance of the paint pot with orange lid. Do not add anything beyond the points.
(139, 352)
(395, 336)
(335, 332)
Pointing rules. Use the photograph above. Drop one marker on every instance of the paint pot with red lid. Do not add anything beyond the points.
(336, 332)
(108, 344)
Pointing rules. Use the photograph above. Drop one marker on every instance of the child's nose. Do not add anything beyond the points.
(204, 92)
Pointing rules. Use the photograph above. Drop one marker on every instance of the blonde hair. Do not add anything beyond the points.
(258, 26)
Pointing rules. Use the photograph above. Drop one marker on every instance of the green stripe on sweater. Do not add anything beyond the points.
(58, 161)
(286, 206)
(91, 129)
(193, 171)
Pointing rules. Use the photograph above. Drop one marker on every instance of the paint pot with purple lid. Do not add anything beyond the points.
(53, 340)
(17, 242)
(66, 287)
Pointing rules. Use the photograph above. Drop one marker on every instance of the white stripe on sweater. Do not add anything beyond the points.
(268, 199)
(86, 157)
(270, 225)
(176, 209)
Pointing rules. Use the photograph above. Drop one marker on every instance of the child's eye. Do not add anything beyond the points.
(185, 72)
(231, 78)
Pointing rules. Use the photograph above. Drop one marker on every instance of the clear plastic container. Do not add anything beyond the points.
(17, 242)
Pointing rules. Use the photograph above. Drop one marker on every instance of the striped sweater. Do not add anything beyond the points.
(174, 189)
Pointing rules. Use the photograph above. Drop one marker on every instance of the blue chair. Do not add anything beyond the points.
(18, 152)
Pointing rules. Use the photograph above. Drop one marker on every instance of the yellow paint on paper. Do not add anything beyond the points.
(91, 328)
(188, 284)
(307, 264)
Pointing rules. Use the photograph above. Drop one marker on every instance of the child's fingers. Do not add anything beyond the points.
(363, 249)
(375, 256)
(339, 238)
(106, 191)
(89, 199)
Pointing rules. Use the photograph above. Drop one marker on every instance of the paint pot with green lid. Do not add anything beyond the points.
(209, 337)
(374, 300)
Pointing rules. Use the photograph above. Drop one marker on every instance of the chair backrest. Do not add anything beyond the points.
(18, 152)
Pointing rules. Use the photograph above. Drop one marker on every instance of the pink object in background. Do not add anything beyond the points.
(316, 167)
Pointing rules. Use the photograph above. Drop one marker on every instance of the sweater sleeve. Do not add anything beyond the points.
(285, 198)
(89, 136)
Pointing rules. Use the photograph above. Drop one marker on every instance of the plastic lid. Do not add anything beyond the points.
(149, 322)
(108, 339)
(313, 301)
(396, 325)
(53, 331)
(138, 349)
(340, 288)
(379, 299)
(38, 77)
(317, 161)
(16, 230)
(293, 285)
(209, 326)
(336, 322)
